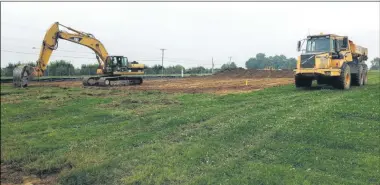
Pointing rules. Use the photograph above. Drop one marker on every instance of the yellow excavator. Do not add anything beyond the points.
(112, 70)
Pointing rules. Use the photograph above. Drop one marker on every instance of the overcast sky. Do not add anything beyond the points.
(191, 32)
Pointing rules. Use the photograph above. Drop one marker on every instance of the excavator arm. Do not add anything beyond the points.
(50, 43)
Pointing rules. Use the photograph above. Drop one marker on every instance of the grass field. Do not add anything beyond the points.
(278, 135)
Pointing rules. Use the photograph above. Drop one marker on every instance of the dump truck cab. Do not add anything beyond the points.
(331, 59)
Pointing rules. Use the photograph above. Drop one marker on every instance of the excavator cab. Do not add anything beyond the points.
(116, 64)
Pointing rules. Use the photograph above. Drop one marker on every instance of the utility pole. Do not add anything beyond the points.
(162, 66)
(212, 68)
(230, 59)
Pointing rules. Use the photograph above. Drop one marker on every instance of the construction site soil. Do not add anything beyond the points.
(224, 82)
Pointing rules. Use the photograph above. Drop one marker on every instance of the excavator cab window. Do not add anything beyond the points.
(111, 63)
(119, 61)
(125, 61)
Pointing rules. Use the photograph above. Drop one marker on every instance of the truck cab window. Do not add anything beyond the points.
(340, 43)
(318, 44)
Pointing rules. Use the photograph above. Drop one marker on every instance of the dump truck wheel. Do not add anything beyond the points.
(357, 79)
(344, 80)
(302, 82)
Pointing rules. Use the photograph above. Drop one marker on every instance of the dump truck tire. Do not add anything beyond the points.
(357, 79)
(302, 82)
(344, 80)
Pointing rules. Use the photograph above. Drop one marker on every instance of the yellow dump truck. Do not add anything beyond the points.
(331, 59)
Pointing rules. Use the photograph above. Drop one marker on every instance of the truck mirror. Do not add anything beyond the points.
(299, 46)
(345, 42)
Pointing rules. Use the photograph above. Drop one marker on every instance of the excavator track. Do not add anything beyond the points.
(110, 81)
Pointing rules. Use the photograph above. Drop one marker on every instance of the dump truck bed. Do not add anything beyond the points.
(357, 50)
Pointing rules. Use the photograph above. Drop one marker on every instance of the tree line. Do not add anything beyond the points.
(55, 68)
(375, 64)
(275, 62)
(261, 61)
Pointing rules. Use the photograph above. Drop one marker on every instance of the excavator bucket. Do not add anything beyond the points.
(22, 74)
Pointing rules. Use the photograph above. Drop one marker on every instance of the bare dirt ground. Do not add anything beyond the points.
(226, 82)
(11, 175)
(191, 85)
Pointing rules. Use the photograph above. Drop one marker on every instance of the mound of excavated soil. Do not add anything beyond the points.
(254, 73)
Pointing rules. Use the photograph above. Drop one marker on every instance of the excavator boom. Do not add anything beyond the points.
(50, 43)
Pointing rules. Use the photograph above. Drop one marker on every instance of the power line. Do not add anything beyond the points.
(72, 51)
(23, 26)
(14, 38)
(82, 57)
(153, 59)
(38, 54)
(69, 51)
(24, 46)
(44, 30)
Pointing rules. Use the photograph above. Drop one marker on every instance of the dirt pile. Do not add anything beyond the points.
(254, 73)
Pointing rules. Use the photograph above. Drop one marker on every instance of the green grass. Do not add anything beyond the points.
(279, 135)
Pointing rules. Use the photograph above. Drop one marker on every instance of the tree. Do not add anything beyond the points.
(8, 71)
(88, 69)
(174, 69)
(375, 64)
(260, 62)
(156, 69)
(77, 71)
(196, 70)
(60, 68)
(229, 65)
